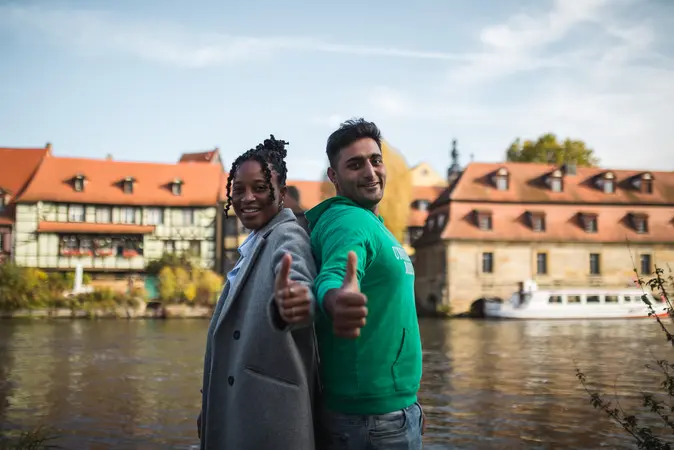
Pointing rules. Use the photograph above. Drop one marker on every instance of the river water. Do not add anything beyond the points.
(503, 385)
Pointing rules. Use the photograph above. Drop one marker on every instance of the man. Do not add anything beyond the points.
(367, 328)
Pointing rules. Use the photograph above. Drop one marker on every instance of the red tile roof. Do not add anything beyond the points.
(53, 182)
(17, 167)
(200, 157)
(527, 185)
(93, 228)
(561, 224)
(429, 193)
(528, 193)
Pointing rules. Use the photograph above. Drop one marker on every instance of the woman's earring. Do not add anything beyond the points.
(280, 206)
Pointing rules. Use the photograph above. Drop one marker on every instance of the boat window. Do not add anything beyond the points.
(573, 299)
(592, 299)
(628, 299)
(611, 299)
(555, 299)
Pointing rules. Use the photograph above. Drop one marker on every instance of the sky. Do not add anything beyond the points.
(146, 80)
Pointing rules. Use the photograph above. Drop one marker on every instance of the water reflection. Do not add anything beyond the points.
(135, 384)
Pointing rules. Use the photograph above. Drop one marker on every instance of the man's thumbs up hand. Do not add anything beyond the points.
(292, 298)
(346, 305)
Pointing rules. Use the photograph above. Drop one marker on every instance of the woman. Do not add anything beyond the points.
(259, 368)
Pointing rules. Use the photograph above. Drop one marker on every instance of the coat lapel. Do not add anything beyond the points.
(234, 291)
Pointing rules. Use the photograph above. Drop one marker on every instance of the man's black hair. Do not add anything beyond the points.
(348, 133)
(271, 152)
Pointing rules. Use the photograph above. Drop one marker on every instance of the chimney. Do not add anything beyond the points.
(48, 147)
(108, 157)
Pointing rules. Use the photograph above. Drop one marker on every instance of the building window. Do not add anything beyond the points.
(595, 266)
(169, 247)
(231, 226)
(127, 185)
(611, 299)
(155, 216)
(555, 180)
(639, 222)
(608, 183)
(420, 205)
(487, 262)
(537, 221)
(195, 248)
(188, 216)
(592, 299)
(78, 183)
(127, 215)
(76, 213)
(646, 264)
(3, 203)
(483, 220)
(103, 215)
(69, 245)
(647, 183)
(589, 222)
(501, 179)
(542, 263)
(177, 187)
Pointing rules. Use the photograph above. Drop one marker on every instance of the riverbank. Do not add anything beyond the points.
(120, 312)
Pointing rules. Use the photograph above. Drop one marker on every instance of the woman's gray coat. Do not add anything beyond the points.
(258, 381)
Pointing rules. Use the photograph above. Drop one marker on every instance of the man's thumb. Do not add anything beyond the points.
(284, 273)
(351, 277)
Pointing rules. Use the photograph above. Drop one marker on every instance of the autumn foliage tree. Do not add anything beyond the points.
(394, 208)
(547, 149)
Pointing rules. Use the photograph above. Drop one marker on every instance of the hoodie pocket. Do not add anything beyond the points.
(403, 369)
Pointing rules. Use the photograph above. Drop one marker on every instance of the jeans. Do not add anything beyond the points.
(398, 430)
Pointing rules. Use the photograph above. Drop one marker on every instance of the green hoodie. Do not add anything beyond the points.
(380, 371)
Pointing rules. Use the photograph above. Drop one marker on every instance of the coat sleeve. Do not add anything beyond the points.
(291, 238)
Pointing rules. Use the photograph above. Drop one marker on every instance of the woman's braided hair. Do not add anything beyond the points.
(271, 152)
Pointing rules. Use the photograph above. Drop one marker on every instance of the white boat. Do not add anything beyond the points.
(574, 303)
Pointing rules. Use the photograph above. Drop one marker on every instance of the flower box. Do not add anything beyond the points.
(129, 253)
(104, 252)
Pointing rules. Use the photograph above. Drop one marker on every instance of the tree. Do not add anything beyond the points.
(167, 284)
(394, 207)
(548, 150)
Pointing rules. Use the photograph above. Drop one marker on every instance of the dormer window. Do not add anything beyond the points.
(421, 205)
(501, 179)
(78, 183)
(647, 183)
(177, 186)
(127, 185)
(555, 181)
(608, 183)
(537, 221)
(483, 220)
(3, 201)
(639, 222)
(589, 222)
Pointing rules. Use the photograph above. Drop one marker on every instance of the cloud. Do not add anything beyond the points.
(584, 69)
(100, 32)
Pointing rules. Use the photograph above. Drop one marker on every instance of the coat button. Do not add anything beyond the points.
(230, 380)
(237, 335)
